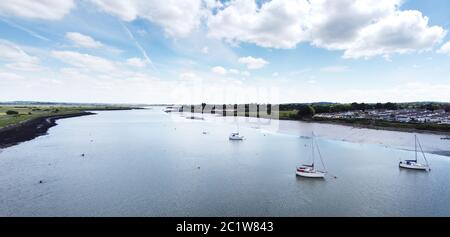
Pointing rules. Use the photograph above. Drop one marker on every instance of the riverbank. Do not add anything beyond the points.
(438, 129)
(23, 123)
(30, 129)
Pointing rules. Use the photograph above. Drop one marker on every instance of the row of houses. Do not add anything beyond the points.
(402, 115)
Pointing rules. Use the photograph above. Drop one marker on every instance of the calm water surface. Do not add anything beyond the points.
(148, 163)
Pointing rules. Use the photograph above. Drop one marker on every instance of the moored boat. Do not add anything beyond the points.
(414, 164)
(310, 171)
(236, 136)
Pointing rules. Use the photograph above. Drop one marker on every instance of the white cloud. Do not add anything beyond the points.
(4, 75)
(230, 72)
(137, 62)
(205, 50)
(83, 40)
(42, 9)
(253, 63)
(16, 58)
(445, 49)
(85, 61)
(276, 24)
(245, 73)
(335, 69)
(219, 70)
(336, 24)
(234, 71)
(361, 28)
(177, 18)
(402, 32)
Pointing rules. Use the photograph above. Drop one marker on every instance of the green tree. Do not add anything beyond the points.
(305, 112)
(321, 108)
(390, 106)
(11, 112)
(378, 106)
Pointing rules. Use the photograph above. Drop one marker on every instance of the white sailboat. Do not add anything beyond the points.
(235, 136)
(414, 164)
(310, 171)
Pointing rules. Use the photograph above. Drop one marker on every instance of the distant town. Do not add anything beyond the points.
(425, 116)
(401, 115)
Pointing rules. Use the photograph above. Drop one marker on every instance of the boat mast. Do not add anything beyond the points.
(312, 148)
(415, 146)
(320, 156)
(423, 153)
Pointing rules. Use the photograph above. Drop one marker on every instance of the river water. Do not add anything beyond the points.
(149, 163)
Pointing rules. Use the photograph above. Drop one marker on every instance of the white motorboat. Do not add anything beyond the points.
(310, 171)
(236, 136)
(414, 164)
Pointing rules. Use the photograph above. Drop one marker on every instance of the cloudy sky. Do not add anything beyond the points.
(238, 51)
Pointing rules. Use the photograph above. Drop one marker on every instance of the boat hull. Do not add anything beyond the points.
(310, 174)
(236, 138)
(413, 166)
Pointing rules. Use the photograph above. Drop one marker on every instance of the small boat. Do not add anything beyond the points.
(310, 171)
(170, 109)
(445, 138)
(236, 136)
(414, 164)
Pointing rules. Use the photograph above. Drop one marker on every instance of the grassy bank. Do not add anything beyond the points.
(13, 115)
(19, 123)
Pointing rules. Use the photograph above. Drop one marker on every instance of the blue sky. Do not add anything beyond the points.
(225, 51)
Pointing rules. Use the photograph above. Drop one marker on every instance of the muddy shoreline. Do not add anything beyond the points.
(28, 130)
(374, 127)
(356, 125)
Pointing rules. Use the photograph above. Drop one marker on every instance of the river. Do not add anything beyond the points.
(150, 163)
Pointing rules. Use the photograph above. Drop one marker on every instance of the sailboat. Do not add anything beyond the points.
(414, 164)
(310, 171)
(235, 136)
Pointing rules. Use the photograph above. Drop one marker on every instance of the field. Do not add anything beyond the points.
(26, 113)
